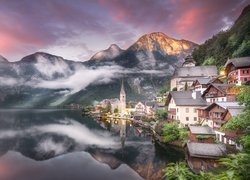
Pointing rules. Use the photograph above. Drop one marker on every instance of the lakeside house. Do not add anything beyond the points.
(219, 93)
(183, 105)
(146, 109)
(188, 73)
(237, 70)
(218, 114)
(204, 156)
(215, 112)
(201, 134)
(229, 136)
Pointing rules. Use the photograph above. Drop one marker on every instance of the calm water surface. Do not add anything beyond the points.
(61, 144)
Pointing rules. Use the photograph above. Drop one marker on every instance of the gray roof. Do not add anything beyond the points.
(196, 71)
(224, 105)
(204, 80)
(206, 150)
(239, 62)
(150, 103)
(184, 98)
(234, 111)
(201, 130)
(187, 79)
(221, 86)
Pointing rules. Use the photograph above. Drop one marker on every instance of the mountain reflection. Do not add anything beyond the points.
(62, 138)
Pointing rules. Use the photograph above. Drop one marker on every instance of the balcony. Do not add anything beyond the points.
(211, 95)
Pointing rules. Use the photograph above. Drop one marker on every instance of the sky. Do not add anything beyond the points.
(77, 29)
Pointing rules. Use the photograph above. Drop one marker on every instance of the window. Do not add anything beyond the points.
(187, 118)
(177, 118)
(195, 118)
(177, 109)
(195, 110)
(187, 110)
(245, 71)
(245, 79)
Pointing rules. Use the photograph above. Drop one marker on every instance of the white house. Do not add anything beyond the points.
(182, 106)
(146, 108)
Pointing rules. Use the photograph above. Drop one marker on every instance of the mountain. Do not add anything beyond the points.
(3, 60)
(151, 51)
(112, 52)
(159, 41)
(45, 80)
(235, 42)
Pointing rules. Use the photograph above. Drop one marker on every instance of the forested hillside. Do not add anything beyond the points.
(234, 42)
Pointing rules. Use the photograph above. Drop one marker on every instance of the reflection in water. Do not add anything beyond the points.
(72, 166)
(46, 134)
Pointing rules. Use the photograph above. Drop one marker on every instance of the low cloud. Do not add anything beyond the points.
(82, 78)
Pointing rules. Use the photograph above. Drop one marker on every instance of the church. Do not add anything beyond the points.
(116, 104)
(122, 105)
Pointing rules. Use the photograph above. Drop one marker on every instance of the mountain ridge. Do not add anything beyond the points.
(232, 43)
(46, 80)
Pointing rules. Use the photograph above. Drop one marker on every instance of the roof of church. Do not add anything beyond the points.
(196, 71)
(189, 59)
(122, 88)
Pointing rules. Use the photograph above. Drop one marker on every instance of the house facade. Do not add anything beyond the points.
(201, 134)
(220, 93)
(201, 84)
(204, 156)
(218, 114)
(146, 109)
(182, 107)
(238, 70)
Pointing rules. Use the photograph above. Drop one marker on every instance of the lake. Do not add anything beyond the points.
(61, 144)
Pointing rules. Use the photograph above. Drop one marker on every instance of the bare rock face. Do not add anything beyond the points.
(112, 52)
(159, 41)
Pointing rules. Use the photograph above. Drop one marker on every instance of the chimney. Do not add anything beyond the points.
(194, 94)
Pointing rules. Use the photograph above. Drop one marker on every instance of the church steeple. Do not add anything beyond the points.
(122, 97)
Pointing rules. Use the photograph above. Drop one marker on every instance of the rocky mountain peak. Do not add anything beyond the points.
(112, 52)
(114, 47)
(40, 56)
(3, 59)
(159, 41)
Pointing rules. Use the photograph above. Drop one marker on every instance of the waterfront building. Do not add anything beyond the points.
(146, 109)
(204, 156)
(218, 114)
(201, 134)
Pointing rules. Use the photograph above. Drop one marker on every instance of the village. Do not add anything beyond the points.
(201, 101)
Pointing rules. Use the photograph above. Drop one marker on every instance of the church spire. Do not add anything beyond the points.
(122, 88)
(122, 97)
